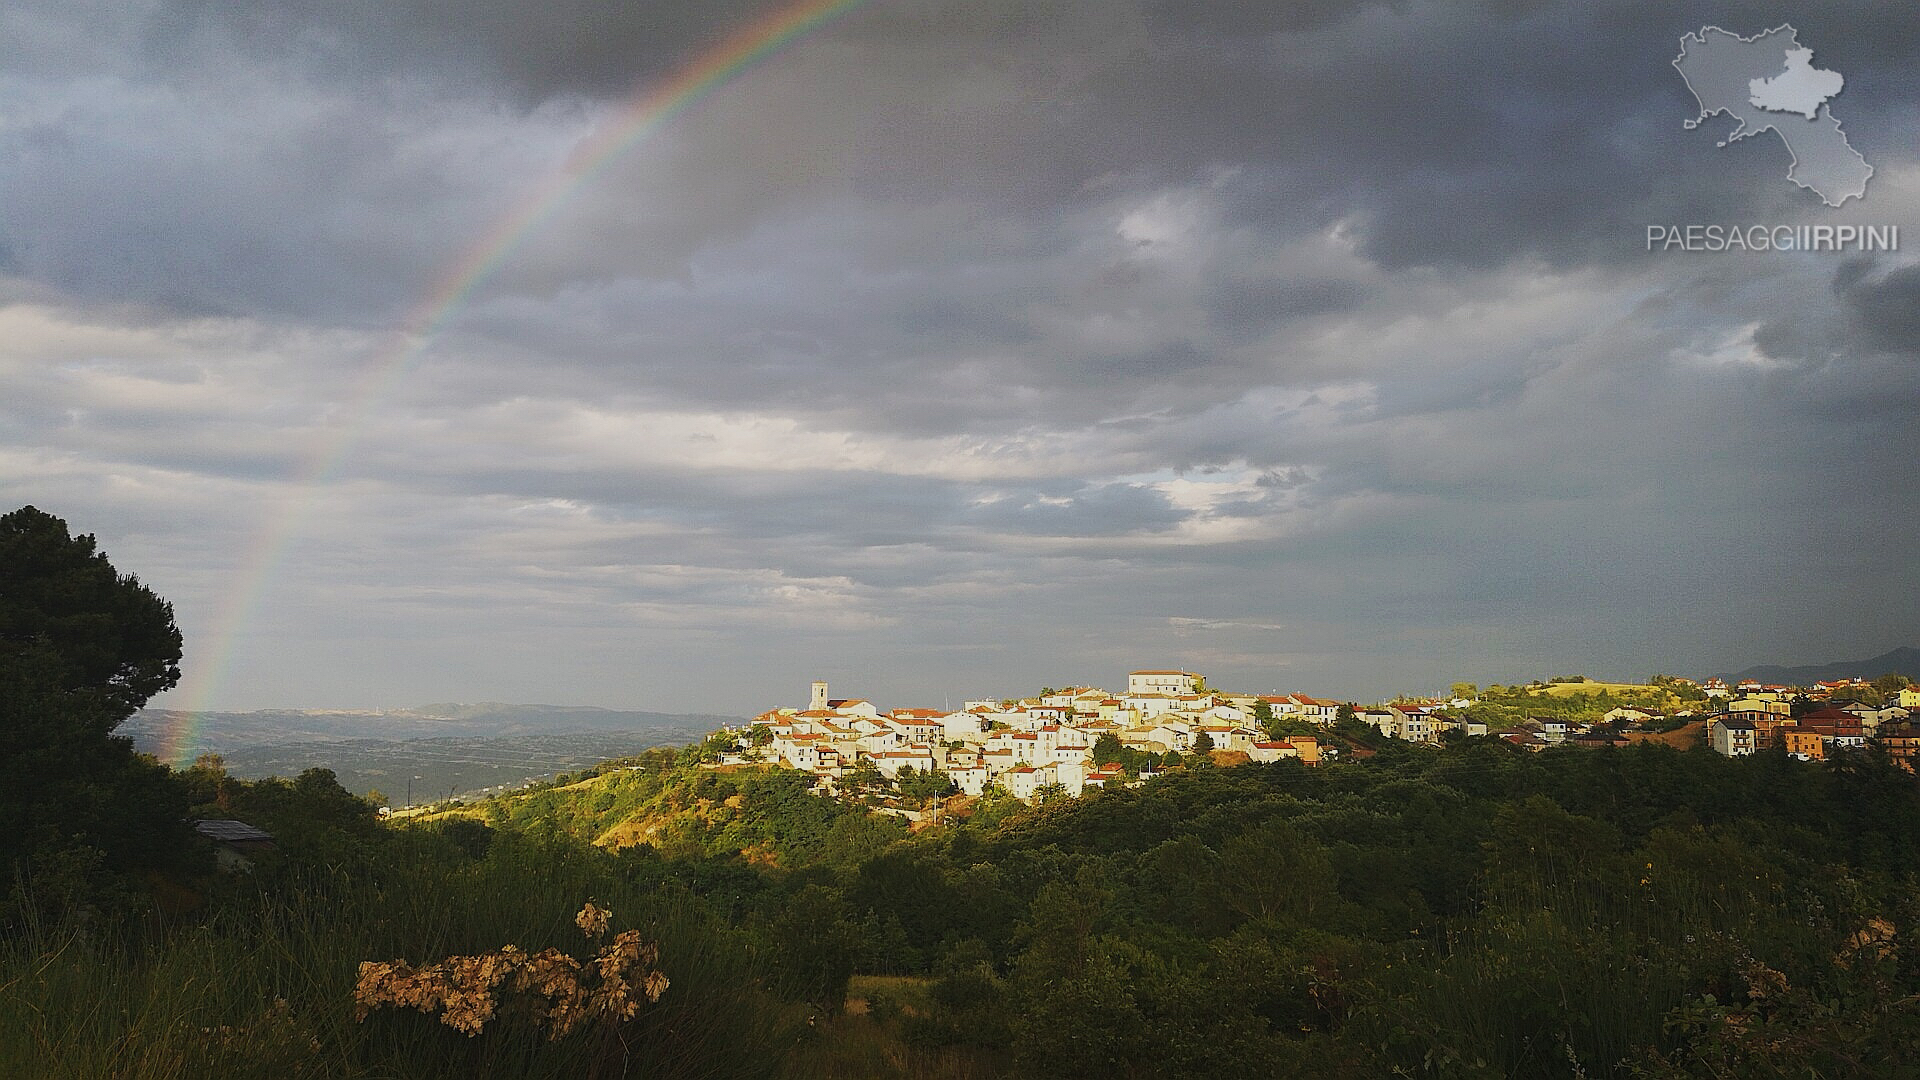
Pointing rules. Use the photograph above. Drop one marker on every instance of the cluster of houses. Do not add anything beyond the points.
(1036, 744)
(1748, 716)
(1043, 743)
(1428, 722)
(1419, 722)
(1764, 716)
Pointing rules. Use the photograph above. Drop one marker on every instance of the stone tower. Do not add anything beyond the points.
(819, 700)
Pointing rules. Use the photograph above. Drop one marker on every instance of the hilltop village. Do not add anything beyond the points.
(1068, 740)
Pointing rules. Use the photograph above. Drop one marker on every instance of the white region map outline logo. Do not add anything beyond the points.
(1767, 89)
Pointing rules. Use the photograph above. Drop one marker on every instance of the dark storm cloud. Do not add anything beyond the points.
(1254, 20)
(1452, 137)
(1443, 135)
(1876, 318)
(1887, 304)
(1466, 143)
(256, 198)
(969, 341)
(564, 46)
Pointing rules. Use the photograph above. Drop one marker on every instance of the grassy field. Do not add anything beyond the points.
(1685, 737)
(868, 1040)
(1579, 689)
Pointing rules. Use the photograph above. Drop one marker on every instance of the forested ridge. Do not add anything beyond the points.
(1473, 910)
(1467, 911)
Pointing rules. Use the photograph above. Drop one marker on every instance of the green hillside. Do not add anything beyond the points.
(1471, 911)
(1579, 699)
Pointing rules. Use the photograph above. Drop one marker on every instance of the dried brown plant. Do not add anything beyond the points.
(1872, 942)
(467, 991)
(592, 920)
(1763, 981)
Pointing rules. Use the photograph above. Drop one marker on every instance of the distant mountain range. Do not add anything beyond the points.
(431, 750)
(223, 731)
(1905, 660)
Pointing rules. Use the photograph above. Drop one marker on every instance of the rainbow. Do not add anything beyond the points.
(644, 114)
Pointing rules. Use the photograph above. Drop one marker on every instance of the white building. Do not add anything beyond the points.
(966, 727)
(1070, 775)
(970, 779)
(1150, 707)
(1411, 726)
(890, 762)
(1732, 736)
(802, 751)
(1024, 746)
(1172, 683)
(1021, 782)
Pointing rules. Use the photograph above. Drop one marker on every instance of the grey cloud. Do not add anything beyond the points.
(1254, 20)
(1092, 510)
(1186, 623)
(562, 46)
(310, 206)
(1446, 139)
(1374, 270)
(1886, 305)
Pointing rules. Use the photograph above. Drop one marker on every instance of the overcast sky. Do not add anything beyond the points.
(953, 349)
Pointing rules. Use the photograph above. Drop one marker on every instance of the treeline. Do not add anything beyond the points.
(1471, 911)
(1475, 911)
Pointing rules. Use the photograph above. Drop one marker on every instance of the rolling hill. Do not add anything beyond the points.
(1905, 660)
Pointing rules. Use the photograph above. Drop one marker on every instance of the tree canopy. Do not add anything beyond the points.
(71, 622)
(82, 646)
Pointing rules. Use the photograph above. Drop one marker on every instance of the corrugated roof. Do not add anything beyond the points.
(231, 831)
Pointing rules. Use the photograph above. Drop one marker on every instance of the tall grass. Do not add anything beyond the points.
(77, 1003)
(263, 985)
(868, 1041)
